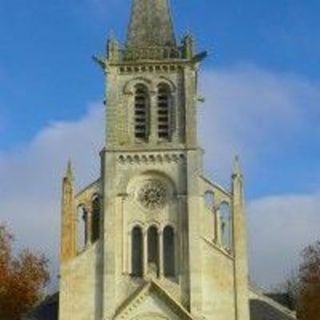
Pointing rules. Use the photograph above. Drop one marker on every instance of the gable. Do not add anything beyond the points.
(152, 302)
(152, 307)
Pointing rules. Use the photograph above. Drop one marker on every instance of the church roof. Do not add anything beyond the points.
(261, 310)
(150, 25)
(46, 310)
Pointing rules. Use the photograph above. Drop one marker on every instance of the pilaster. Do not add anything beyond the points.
(109, 236)
(161, 261)
(194, 232)
(190, 95)
(68, 218)
(240, 246)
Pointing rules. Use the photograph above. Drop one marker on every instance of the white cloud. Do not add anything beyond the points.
(262, 115)
(248, 111)
(254, 113)
(30, 179)
(279, 228)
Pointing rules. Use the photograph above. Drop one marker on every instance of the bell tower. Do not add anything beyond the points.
(168, 244)
(152, 160)
(151, 85)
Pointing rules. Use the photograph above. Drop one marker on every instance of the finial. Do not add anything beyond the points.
(237, 171)
(69, 173)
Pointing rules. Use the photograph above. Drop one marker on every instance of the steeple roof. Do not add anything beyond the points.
(69, 172)
(237, 171)
(151, 25)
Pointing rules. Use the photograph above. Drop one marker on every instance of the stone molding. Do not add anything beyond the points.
(154, 158)
(151, 68)
(151, 84)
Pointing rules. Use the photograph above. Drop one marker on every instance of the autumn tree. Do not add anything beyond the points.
(289, 290)
(309, 279)
(23, 278)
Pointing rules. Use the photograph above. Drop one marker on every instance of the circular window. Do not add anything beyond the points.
(153, 195)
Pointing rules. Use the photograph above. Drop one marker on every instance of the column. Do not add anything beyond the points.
(89, 225)
(218, 228)
(129, 252)
(161, 253)
(124, 243)
(145, 253)
(153, 121)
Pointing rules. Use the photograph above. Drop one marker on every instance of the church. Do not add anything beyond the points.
(153, 238)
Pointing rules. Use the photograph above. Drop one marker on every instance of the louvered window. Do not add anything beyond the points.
(164, 112)
(141, 113)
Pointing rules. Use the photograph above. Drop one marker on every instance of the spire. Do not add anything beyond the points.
(68, 224)
(237, 171)
(69, 172)
(151, 25)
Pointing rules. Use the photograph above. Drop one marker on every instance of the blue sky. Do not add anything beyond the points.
(45, 67)
(46, 72)
(261, 81)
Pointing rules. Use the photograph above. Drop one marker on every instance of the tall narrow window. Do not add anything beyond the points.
(141, 113)
(95, 228)
(82, 228)
(164, 112)
(153, 249)
(168, 252)
(137, 252)
(209, 200)
(226, 225)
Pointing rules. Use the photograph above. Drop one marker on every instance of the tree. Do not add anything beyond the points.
(289, 291)
(301, 290)
(309, 279)
(23, 278)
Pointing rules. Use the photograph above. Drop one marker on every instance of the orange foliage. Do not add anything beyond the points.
(22, 278)
(309, 297)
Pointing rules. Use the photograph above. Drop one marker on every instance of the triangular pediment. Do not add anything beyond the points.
(151, 301)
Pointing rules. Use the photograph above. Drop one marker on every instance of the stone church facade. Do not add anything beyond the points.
(153, 238)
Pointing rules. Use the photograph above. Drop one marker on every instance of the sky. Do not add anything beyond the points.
(261, 83)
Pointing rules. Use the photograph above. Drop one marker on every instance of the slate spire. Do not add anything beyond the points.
(150, 25)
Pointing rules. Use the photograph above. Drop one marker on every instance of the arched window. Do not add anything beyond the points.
(95, 227)
(209, 200)
(226, 225)
(153, 249)
(168, 252)
(137, 252)
(82, 228)
(141, 113)
(164, 112)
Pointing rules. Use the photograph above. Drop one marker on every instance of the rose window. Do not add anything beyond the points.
(153, 195)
